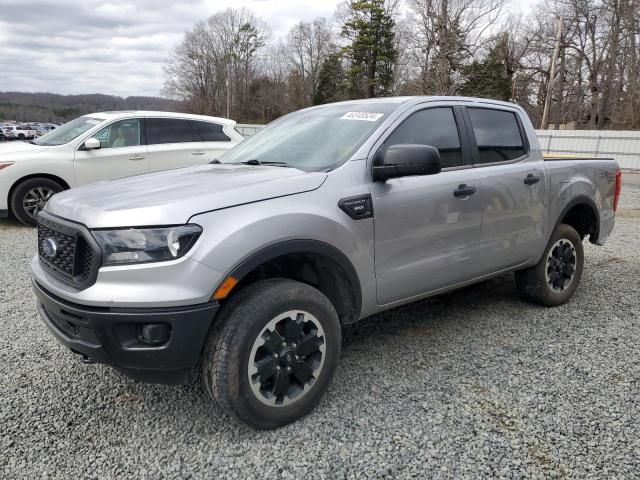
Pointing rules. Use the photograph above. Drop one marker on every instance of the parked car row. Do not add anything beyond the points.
(25, 131)
(43, 128)
(104, 146)
(18, 132)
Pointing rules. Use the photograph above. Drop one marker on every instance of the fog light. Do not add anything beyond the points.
(154, 333)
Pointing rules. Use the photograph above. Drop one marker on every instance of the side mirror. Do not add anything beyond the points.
(405, 160)
(91, 144)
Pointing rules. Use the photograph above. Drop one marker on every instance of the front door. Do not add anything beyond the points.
(122, 153)
(427, 228)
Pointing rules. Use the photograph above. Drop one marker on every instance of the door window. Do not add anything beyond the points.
(497, 135)
(168, 130)
(209, 132)
(434, 126)
(124, 133)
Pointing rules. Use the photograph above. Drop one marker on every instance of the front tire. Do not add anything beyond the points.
(554, 279)
(30, 196)
(275, 353)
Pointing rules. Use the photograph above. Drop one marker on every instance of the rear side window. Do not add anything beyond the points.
(497, 135)
(209, 132)
(434, 126)
(168, 130)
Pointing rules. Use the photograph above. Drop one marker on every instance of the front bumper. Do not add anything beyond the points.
(113, 335)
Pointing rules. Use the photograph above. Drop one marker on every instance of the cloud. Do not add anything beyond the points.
(116, 47)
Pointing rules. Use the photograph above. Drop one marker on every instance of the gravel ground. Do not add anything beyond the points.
(475, 383)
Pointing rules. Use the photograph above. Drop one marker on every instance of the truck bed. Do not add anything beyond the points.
(586, 178)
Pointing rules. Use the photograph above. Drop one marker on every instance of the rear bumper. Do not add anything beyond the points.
(113, 335)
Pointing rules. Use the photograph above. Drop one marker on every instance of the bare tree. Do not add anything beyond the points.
(447, 34)
(211, 69)
(308, 44)
(188, 72)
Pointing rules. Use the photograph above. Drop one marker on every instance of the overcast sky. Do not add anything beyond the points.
(116, 47)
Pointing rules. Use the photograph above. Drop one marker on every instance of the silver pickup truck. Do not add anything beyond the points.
(249, 267)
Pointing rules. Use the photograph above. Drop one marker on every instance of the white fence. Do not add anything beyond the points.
(624, 146)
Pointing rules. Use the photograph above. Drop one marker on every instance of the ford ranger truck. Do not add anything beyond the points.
(248, 267)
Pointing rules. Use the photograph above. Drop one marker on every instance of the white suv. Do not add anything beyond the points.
(105, 146)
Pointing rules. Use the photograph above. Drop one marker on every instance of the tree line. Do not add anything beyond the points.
(51, 107)
(569, 63)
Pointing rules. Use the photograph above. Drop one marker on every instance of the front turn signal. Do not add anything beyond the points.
(225, 288)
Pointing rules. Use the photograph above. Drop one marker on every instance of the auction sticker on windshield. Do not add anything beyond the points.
(366, 116)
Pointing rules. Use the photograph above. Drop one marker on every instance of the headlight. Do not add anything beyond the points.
(143, 245)
(5, 164)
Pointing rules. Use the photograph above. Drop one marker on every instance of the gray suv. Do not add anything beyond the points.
(250, 266)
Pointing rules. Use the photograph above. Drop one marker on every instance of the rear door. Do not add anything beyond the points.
(172, 144)
(215, 141)
(426, 231)
(513, 187)
(122, 153)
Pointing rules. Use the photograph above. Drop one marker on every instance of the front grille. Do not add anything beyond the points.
(65, 258)
(85, 256)
(75, 260)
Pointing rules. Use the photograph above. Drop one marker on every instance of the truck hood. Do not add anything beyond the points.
(171, 197)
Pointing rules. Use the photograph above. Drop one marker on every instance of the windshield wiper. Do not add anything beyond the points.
(255, 161)
(32, 142)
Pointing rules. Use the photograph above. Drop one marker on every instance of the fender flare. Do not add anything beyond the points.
(580, 200)
(301, 246)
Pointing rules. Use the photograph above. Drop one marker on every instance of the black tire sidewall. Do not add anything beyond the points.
(21, 190)
(248, 319)
(550, 297)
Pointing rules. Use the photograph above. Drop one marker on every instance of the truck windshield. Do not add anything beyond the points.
(313, 139)
(68, 131)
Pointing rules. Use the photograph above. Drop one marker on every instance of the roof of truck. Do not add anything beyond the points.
(145, 113)
(431, 98)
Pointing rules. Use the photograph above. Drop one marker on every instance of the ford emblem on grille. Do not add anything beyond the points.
(50, 247)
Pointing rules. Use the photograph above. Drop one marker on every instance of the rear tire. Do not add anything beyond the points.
(554, 279)
(30, 196)
(274, 355)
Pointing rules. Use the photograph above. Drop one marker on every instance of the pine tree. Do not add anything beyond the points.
(488, 78)
(372, 53)
(331, 81)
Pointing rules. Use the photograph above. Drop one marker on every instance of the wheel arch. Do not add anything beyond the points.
(48, 176)
(582, 214)
(314, 262)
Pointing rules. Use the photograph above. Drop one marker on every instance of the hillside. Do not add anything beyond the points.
(51, 107)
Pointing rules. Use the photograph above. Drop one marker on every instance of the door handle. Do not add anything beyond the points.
(137, 157)
(198, 153)
(464, 190)
(531, 179)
